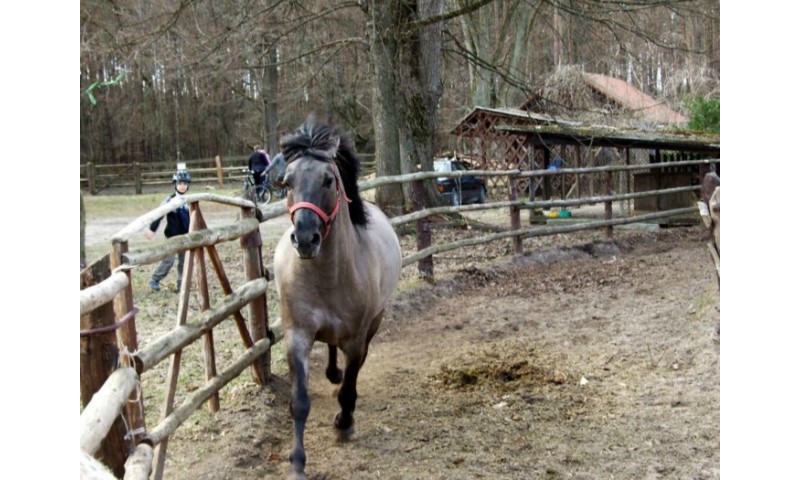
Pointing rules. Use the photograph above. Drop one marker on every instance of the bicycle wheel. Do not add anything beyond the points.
(266, 195)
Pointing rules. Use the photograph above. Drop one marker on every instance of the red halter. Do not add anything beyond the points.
(326, 218)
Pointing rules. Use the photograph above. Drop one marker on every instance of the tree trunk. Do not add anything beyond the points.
(478, 28)
(383, 51)
(83, 233)
(269, 93)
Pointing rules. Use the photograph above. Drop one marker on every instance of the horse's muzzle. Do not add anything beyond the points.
(306, 242)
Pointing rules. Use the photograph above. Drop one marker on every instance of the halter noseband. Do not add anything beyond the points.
(327, 219)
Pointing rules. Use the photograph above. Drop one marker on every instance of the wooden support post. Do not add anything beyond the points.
(609, 204)
(425, 265)
(175, 361)
(205, 304)
(99, 354)
(241, 323)
(137, 177)
(514, 213)
(628, 174)
(548, 187)
(254, 268)
(579, 156)
(658, 172)
(535, 215)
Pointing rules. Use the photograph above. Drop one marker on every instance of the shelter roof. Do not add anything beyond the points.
(633, 99)
(481, 119)
(567, 91)
(601, 136)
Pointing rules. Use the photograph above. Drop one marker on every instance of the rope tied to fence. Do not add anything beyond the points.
(141, 431)
(110, 328)
(128, 359)
(123, 268)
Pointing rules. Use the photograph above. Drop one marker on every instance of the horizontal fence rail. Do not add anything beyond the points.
(218, 171)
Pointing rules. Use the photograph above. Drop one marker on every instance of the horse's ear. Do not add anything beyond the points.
(333, 148)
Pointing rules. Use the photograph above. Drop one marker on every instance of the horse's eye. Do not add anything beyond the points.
(327, 182)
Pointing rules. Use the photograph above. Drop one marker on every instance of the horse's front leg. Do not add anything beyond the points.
(299, 407)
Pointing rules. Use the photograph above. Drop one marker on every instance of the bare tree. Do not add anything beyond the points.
(214, 78)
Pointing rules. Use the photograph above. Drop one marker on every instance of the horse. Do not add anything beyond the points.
(335, 270)
(276, 169)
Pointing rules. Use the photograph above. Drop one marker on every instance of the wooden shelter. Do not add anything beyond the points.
(493, 149)
(530, 137)
(657, 147)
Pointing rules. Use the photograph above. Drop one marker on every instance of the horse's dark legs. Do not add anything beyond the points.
(347, 398)
(347, 392)
(373, 329)
(333, 372)
(299, 407)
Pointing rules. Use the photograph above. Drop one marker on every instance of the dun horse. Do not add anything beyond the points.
(335, 271)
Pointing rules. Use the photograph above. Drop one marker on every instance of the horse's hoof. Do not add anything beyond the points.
(335, 376)
(344, 433)
(297, 476)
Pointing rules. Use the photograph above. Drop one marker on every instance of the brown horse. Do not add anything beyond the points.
(335, 271)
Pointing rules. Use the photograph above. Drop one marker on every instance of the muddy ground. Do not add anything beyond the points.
(582, 359)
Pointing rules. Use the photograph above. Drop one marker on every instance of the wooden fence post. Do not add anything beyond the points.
(425, 265)
(123, 306)
(91, 177)
(99, 355)
(218, 162)
(259, 316)
(137, 177)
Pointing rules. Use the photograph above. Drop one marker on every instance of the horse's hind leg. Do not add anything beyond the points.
(347, 392)
(333, 372)
(373, 329)
(347, 397)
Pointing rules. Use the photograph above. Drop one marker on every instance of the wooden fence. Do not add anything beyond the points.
(112, 363)
(135, 177)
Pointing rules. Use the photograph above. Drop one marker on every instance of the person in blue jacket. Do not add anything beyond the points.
(177, 224)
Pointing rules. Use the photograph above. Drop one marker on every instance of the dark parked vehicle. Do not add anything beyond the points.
(459, 190)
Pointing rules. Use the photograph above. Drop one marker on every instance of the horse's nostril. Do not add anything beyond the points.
(316, 239)
(293, 239)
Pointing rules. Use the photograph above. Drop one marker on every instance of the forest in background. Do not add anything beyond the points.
(186, 79)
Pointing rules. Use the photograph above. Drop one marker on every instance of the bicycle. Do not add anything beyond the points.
(262, 193)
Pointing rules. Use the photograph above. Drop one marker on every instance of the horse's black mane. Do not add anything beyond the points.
(318, 141)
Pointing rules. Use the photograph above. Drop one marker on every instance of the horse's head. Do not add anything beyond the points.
(321, 173)
(277, 168)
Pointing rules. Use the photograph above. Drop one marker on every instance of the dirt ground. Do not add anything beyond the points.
(582, 359)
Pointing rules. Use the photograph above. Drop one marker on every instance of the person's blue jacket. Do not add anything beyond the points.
(177, 220)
